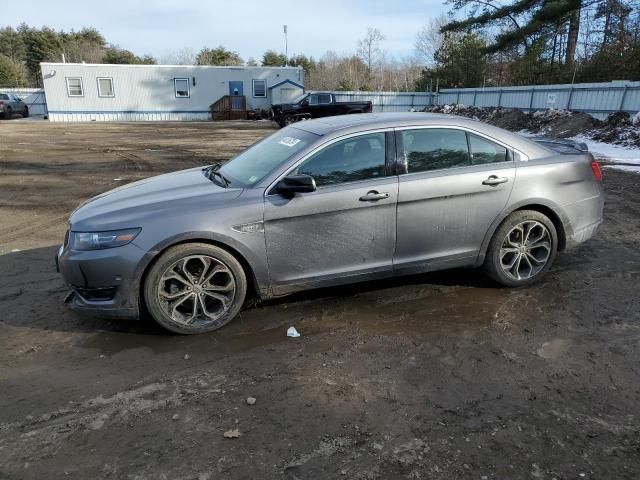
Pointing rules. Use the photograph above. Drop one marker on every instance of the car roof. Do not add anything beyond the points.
(346, 124)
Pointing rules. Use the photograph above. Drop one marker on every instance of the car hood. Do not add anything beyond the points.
(129, 205)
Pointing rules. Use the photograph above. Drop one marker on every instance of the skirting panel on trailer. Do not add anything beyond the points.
(127, 116)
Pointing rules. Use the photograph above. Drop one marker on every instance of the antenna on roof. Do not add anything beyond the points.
(286, 48)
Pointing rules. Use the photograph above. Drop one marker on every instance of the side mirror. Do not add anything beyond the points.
(305, 103)
(292, 184)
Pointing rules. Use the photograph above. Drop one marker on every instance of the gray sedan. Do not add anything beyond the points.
(327, 202)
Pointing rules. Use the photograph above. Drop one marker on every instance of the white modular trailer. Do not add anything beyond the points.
(78, 92)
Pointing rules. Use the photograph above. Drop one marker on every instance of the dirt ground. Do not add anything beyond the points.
(439, 376)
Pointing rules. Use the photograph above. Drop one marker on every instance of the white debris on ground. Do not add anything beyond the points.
(292, 332)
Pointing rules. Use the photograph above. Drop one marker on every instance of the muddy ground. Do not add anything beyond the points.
(439, 376)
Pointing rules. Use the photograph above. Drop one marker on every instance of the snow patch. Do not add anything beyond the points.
(621, 158)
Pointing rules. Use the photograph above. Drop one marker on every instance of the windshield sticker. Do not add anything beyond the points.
(289, 141)
(253, 179)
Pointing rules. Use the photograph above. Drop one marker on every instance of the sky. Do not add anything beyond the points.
(250, 27)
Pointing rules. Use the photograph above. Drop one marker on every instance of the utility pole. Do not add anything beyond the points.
(286, 47)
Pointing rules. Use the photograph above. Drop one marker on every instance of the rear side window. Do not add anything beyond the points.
(485, 151)
(4, 96)
(350, 160)
(434, 149)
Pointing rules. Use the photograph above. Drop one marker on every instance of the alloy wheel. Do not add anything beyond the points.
(196, 290)
(525, 250)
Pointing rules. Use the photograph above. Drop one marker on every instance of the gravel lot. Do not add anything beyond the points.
(439, 376)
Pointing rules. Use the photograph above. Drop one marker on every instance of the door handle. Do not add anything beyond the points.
(374, 196)
(494, 180)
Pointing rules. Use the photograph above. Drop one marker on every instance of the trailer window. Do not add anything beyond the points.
(105, 87)
(181, 87)
(260, 88)
(74, 87)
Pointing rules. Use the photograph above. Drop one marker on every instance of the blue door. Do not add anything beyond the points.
(236, 89)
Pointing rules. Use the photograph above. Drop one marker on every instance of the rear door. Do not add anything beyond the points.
(346, 228)
(452, 186)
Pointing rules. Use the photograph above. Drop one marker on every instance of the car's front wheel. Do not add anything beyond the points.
(25, 112)
(195, 288)
(522, 249)
(287, 120)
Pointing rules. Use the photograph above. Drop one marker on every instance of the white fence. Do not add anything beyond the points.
(33, 97)
(389, 101)
(597, 99)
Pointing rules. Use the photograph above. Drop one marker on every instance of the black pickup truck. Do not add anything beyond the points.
(315, 105)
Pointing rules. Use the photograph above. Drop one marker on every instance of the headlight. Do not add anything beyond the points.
(99, 240)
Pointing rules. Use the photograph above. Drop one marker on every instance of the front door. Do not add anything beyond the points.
(346, 228)
(320, 105)
(456, 184)
(236, 90)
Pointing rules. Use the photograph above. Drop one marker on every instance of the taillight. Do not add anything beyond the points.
(1, 104)
(595, 168)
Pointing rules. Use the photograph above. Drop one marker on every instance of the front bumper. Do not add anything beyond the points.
(105, 283)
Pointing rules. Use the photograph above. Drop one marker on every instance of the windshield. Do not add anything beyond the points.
(300, 98)
(255, 163)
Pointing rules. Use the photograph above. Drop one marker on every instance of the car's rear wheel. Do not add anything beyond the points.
(195, 288)
(522, 249)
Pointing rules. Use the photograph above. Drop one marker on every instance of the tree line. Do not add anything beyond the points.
(479, 43)
(520, 42)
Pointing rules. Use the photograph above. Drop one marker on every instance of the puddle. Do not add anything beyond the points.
(416, 310)
(553, 349)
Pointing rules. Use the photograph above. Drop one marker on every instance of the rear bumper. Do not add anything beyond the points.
(584, 234)
(586, 218)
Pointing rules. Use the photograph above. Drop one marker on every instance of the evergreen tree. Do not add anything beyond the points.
(11, 73)
(218, 56)
(271, 58)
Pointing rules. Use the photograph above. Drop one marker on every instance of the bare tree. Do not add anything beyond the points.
(429, 39)
(184, 56)
(369, 48)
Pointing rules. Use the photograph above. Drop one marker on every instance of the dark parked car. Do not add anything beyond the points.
(328, 202)
(10, 104)
(316, 105)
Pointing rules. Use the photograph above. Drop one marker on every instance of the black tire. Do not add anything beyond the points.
(495, 268)
(8, 114)
(173, 255)
(287, 120)
(25, 112)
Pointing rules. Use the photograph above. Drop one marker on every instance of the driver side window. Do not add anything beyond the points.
(313, 99)
(350, 160)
